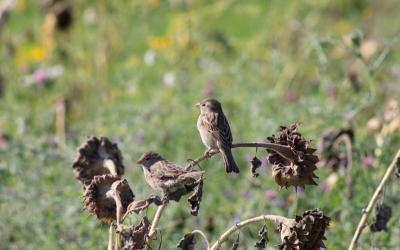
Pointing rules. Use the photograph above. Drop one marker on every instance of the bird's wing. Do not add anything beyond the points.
(166, 170)
(218, 126)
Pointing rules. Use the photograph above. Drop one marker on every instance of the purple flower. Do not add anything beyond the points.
(280, 202)
(236, 219)
(139, 137)
(299, 191)
(324, 187)
(291, 96)
(40, 76)
(368, 161)
(247, 194)
(270, 194)
(264, 161)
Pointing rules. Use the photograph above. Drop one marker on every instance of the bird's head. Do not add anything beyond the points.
(209, 105)
(149, 158)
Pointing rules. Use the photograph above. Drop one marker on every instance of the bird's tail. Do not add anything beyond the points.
(229, 161)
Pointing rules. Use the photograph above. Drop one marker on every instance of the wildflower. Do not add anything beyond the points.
(270, 194)
(162, 42)
(368, 161)
(149, 57)
(37, 53)
(169, 79)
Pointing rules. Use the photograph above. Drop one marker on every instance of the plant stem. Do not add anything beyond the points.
(262, 218)
(372, 202)
(284, 151)
(203, 236)
(156, 220)
(110, 237)
(118, 203)
(349, 155)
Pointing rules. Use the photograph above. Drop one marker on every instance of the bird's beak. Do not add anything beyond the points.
(139, 162)
(197, 104)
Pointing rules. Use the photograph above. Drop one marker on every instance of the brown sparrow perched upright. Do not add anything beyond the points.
(166, 177)
(215, 132)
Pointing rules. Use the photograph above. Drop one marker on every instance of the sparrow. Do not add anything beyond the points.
(215, 132)
(168, 178)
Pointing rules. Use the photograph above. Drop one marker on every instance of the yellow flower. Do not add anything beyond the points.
(37, 53)
(160, 42)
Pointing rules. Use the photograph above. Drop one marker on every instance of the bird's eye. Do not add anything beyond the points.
(203, 104)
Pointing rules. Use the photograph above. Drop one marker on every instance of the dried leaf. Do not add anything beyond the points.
(140, 205)
(383, 213)
(187, 242)
(255, 164)
(195, 198)
(134, 238)
(263, 234)
(397, 173)
(235, 245)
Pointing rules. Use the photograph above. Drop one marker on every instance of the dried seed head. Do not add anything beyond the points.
(134, 238)
(383, 213)
(299, 170)
(99, 197)
(187, 242)
(195, 198)
(328, 147)
(92, 156)
(306, 232)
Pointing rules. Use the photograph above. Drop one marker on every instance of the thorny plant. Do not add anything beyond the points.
(99, 167)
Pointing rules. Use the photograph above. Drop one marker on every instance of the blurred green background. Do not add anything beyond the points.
(133, 70)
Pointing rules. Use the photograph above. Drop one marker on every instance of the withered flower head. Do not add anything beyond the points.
(383, 213)
(195, 198)
(306, 232)
(93, 158)
(298, 170)
(332, 156)
(99, 197)
(134, 238)
(187, 242)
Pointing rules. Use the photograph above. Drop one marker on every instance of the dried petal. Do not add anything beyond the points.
(255, 164)
(187, 242)
(383, 213)
(299, 170)
(99, 200)
(262, 242)
(306, 232)
(332, 156)
(92, 156)
(134, 238)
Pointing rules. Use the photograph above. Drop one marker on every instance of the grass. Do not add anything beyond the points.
(270, 63)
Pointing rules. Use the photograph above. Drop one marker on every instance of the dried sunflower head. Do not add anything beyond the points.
(187, 242)
(99, 197)
(330, 153)
(93, 158)
(298, 170)
(306, 232)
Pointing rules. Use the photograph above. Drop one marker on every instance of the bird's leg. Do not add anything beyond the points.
(209, 152)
